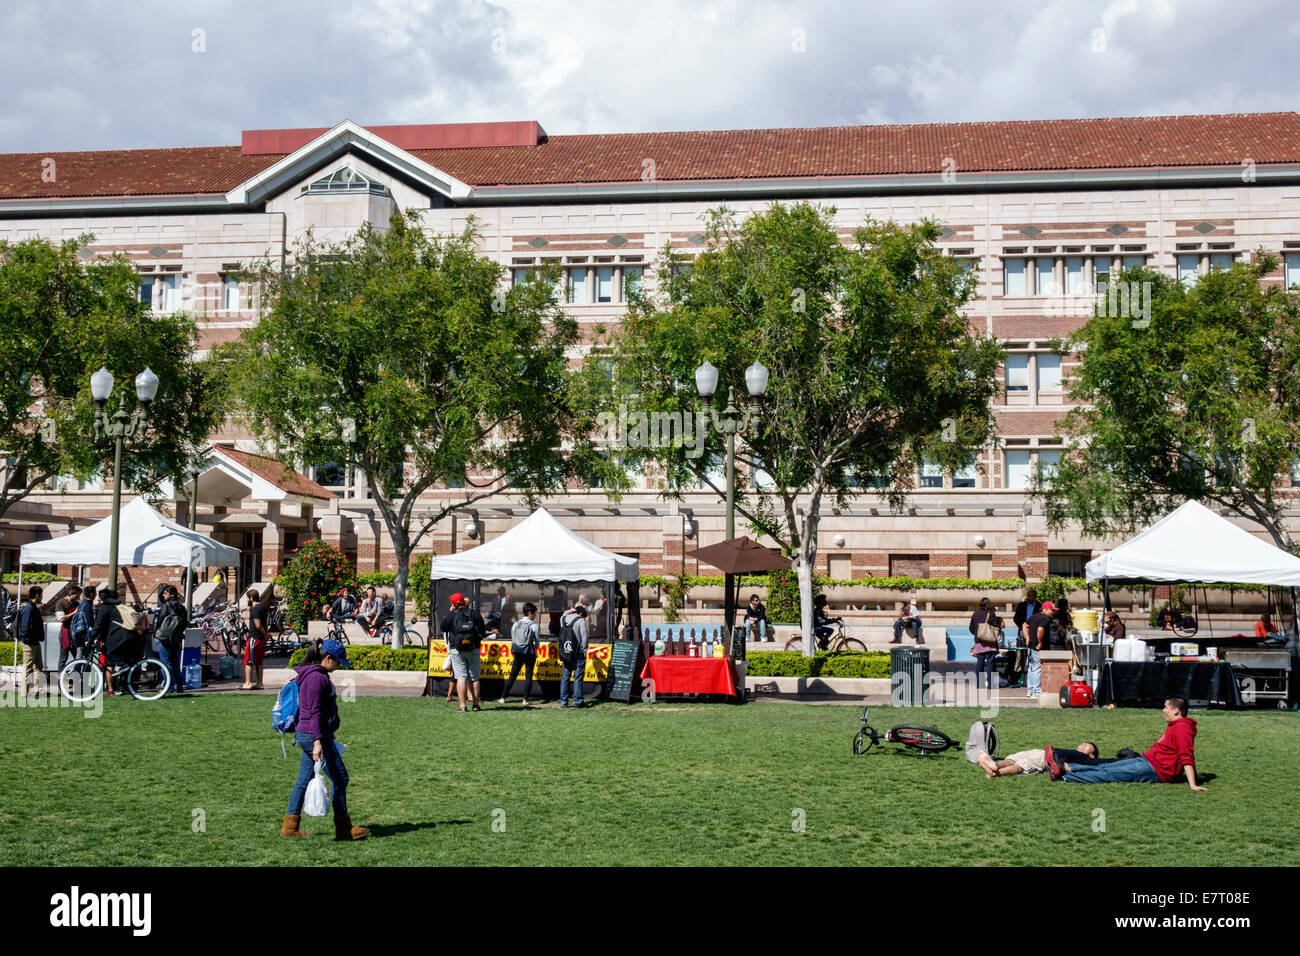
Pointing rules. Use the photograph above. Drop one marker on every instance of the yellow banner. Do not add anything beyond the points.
(496, 659)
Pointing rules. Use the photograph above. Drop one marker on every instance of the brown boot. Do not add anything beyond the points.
(290, 828)
(344, 830)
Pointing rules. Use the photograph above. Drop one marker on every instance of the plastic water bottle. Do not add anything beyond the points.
(659, 646)
(193, 676)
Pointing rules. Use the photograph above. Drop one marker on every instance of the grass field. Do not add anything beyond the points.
(659, 784)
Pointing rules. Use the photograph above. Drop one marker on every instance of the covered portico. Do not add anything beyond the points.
(255, 503)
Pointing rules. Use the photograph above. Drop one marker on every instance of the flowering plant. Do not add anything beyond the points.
(312, 579)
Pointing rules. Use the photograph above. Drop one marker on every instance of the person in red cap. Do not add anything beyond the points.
(1038, 631)
(464, 630)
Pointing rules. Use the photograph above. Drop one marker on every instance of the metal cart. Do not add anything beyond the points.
(1262, 674)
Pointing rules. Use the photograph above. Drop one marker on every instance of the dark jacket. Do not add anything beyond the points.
(111, 634)
(31, 625)
(980, 616)
(318, 709)
(753, 613)
(1022, 613)
(165, 610)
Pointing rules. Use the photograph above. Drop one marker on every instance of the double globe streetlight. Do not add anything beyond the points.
(120, 426)
(731, 421)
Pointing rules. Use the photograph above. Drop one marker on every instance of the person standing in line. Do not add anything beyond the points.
(1039, 633)
(31, 635)
(574, 668)
(985, 627)
(169, 632)
(464, 630)
(524, 639)
(258, 636)
(318, 722)
(1025, 609)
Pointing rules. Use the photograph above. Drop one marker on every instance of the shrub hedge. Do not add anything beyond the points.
(823, 664)
(30, 577)
(376, 657)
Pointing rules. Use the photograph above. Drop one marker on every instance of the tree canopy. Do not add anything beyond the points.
(61, 318)
(1198, 401)
(400, 352)
(873, 368)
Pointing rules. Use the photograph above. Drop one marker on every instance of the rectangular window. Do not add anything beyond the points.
(1047, 277)
(1188, 270)
(1017, 469)
(1221, 260)
(964, 477)
(171, 293)
(1066, 564)
(146, 290)
(519, 276)
(1101, 266)
(1047, 462)
(1013, 277)
(578, 286)
(230, 293)
(1074, 275)
(1292, 269)
(605, 284)
(931, 475)
(632, 277)
(1017, 373)
(1128, 262)
(1049, 372)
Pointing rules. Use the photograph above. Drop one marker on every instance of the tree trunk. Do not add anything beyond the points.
(804, 562)
(399, 597)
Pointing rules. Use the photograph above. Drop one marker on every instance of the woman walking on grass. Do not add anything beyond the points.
(318, 720)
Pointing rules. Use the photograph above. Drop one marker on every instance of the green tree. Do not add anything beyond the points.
(400, 352)
(872, 367)
(61, 318)
(1197, 399)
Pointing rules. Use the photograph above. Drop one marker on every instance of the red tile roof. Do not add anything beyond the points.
(1223, 140)
(277, 473)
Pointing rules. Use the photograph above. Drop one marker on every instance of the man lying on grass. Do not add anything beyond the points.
(1171, 757)
(1035, 761)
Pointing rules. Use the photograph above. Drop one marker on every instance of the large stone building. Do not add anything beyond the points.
(1040, 210)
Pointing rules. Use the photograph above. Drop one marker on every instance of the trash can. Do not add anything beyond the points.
(908, 667)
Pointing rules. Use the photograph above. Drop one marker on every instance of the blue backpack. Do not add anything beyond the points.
(284, 715)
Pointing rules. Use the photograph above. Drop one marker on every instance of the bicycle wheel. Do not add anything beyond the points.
(863, 741)
(81, 681)
(852, 644)
(148, 679)
(794, 644)
(929, 739)
(1186, 627)
(414, 636)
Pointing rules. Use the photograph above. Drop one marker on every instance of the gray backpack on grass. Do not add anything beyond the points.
(982, 738)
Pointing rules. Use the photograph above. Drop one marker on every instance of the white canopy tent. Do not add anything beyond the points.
(144, 539)
(539, 548)
(1192, 544)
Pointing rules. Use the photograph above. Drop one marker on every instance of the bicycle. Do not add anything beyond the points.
(337, 633)
(928, 740)
(83, 678)
(412, 633)
(283, 640)
(838, 641)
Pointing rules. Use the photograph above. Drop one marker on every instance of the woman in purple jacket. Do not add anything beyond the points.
(318, 719)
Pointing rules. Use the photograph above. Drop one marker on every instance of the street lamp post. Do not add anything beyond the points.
(119, 427)
(731, 422)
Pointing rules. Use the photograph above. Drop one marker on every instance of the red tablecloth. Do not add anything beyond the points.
(675, 674)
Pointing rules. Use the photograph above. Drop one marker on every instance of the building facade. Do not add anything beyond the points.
(1041, 211)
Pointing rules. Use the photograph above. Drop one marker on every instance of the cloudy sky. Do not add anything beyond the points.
(108, 73)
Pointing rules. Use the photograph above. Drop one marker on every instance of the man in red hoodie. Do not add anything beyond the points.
(1171, 758)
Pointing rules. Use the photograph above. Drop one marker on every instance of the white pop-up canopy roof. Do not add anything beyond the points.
(539, 548)
(144, 539)
(1192, 543)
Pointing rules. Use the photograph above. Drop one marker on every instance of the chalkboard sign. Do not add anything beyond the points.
(622, 669)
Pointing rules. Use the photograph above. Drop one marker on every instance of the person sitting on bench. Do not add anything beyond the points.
(1170, 758)
(909, 616)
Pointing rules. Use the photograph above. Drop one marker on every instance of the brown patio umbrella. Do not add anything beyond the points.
(741, 555)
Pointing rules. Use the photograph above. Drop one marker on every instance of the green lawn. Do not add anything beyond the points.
(657, 784)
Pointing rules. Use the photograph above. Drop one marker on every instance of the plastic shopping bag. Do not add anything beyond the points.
(317, 802)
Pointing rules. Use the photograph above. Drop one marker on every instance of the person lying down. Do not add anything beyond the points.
(1035, 761)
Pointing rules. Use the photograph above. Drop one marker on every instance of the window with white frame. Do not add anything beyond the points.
(230, 293)
(160, 289)
(147, 290)
(1188, 270)
(605, 284)
(1017, 374)
(1221, 260)
(1074, 275)
(931, 475)
(1292, 269)
(1048, 459)
(632, 278)
(1013, 277)
(1017, 469)
(1049, 372)
(578, 289)
(1101, 270)
(1128, 262)
(964, 477)
(1047, 276)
